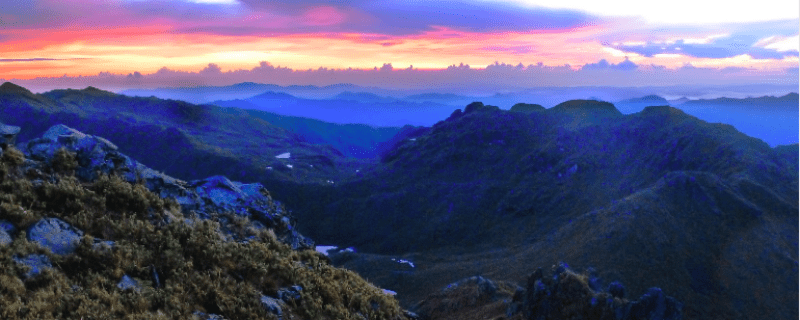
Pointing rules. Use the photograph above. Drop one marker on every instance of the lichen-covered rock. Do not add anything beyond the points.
(55, 234)
(36, 262)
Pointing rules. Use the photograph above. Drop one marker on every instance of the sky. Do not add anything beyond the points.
(169, 43)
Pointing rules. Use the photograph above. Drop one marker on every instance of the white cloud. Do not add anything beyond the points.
(705, 40)
(780, 44)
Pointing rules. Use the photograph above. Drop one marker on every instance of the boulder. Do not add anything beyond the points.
(55, 234)
(36, 262)
(272, 306)
(6, 230)
(8, 134)
(128, 283)
(92, 153)
(290, 294)
(197, 315)
(616, 289)
(5, 238)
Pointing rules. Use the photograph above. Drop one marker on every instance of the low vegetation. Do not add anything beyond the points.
(197, 270)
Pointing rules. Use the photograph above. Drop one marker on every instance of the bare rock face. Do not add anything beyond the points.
(208, 198)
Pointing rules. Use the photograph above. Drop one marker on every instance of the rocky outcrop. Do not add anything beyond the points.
(6, 229)
(567, 295)
(35, 263)
(208, 198)
(8, 134)
(470, 298)
(55, 234)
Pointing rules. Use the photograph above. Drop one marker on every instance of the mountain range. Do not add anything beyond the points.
(654, 198)
(346, 108)
(458, 96)
(769, 118)
(688, 205)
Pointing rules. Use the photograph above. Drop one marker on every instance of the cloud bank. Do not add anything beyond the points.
(462, 77)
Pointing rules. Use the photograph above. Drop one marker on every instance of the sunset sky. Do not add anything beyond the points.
(217, 42)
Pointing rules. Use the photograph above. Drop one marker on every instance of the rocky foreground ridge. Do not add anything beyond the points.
(88, 233)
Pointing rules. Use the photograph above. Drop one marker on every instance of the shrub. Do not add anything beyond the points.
(197, 270)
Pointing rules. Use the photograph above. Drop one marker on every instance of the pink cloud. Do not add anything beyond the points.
(323, 16)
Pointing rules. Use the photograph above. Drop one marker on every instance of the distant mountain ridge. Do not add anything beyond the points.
(354, 109)
(633, 105)
(772, 119)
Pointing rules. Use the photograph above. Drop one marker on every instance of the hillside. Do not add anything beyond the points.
(195, 140)
(585, 182)
(351, 140)
(88, 233)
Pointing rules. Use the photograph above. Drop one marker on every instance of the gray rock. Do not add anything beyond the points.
(197, 315)
(616, 289)
(128, 283)
(36, 262)
(6, 230)
(544, 299)
(92, 153)
(410, 315)
(8, 134)
(486, 287)
(103, 246)
(5, 238)
(290, 294)
(654, 305)
(572, 170)
(7, 226)
(272, 306)
(55, 234)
